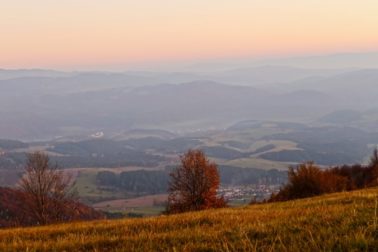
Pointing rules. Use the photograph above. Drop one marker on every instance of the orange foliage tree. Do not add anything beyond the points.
(194, 184)
(307, 180)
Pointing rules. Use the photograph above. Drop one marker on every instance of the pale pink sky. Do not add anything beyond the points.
(81, 33)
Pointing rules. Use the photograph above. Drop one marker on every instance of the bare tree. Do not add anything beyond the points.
(374, 158)
(47, 188)
(373, 166)
(194, 184)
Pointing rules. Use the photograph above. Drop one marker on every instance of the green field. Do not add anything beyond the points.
(335, 222)
(145, 211)
(257, 163)
(85, 185)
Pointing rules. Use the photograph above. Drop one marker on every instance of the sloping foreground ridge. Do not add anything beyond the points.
(334, 222)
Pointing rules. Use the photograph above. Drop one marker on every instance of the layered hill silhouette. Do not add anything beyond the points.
(46, 104)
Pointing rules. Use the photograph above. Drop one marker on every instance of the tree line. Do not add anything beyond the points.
(45, 194)
(156, 181)
(308, 179)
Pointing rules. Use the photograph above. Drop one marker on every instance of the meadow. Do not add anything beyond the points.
(335, 222)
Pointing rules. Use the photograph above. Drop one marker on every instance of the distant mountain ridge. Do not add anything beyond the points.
(79, 104)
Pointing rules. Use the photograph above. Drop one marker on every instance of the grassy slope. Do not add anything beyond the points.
(336, 222)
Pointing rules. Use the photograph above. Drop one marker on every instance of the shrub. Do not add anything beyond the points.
(308, 180)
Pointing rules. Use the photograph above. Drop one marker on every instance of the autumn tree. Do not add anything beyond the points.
(194, 184)
(47, 188)
(307, 180)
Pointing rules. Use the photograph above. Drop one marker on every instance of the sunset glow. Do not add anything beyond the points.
(70, 34)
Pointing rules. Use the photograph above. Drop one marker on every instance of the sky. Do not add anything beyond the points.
(79, 34)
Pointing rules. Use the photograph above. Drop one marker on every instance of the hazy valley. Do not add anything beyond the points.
(120, 134)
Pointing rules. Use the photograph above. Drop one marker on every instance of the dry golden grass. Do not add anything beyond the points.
(335, 222)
